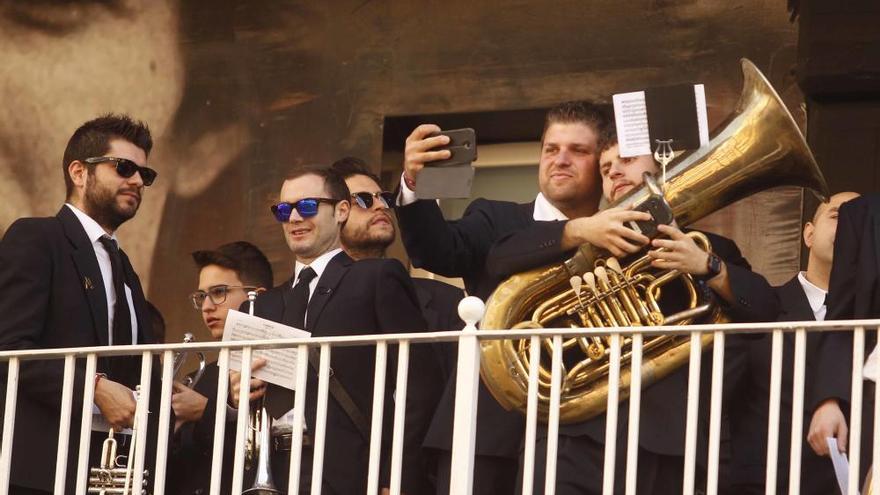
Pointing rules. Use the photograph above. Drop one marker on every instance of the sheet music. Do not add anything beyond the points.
(280, 366)
(631, 119)
(702, 117)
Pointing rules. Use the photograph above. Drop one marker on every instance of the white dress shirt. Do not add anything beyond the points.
(815, 296)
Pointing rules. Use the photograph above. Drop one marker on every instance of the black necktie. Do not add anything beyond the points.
(298, 299)
(121, 312)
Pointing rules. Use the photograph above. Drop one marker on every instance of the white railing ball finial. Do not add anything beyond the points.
(471, 310)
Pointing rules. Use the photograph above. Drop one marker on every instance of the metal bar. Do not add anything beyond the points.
(164, 422)
(611, 416)
(243, 421)
(465, 424)
(377, 417)
(635, 401)
(876, 440)
(797, 412)
(399, 417)
(299, 407)
(855, 417)
(773, 415)
(553, 417)
(85, 432)
(715, 412)
(8, 424)
(693, 408)
(64, 425)
(143, 406)
(321, 420)
(220, 421)
(531, 417)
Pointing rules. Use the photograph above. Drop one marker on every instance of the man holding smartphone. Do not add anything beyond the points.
(570, 187)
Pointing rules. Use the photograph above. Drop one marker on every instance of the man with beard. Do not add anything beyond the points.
(66, 283)
(367, 234)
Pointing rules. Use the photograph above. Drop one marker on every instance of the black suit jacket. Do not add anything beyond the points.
(459, 248)
(749, 415)
(53, 296)
(371, 296)
(664, 403)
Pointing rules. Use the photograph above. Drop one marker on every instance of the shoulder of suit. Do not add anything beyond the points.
(438, 287)
(34, 228)
(378, 265)
(492, 205)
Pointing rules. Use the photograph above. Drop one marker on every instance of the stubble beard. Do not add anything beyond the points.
(102, 206)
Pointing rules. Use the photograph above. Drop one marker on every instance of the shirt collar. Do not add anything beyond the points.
(318, 264)
(546, 212)
(815, 295)
(93, 230)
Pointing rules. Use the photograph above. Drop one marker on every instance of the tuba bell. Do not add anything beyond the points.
(758, 147)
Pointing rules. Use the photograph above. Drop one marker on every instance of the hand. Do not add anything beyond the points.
(416, 152)
(258, 387)
(828, 421)
(116, 403)
(678, 252)
(608, 230)
(188, 404)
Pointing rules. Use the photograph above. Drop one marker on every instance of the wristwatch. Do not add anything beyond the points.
(713, 267)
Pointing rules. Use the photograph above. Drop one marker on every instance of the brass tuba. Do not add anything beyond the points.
(757, 148)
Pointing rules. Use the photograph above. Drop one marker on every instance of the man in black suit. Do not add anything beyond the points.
(66, 283)
(801, 299)
(569, 187)
(744, 295)
(226, 274)
(330, 294)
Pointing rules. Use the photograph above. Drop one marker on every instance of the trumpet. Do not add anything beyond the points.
(259, 442)
(180, 358)
(112, 477)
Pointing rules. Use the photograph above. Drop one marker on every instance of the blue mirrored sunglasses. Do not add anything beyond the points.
(306, 207)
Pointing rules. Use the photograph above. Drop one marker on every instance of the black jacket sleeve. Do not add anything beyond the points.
(531, 247)
(755, 299)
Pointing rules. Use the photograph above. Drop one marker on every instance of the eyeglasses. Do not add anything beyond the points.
(365, 199)
(217, 294)
(306, 207)
(126, 168)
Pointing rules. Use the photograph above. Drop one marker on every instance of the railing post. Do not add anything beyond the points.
(64, 425)
(855, 417)
(471, 310)
(8, 424)
(693, 408)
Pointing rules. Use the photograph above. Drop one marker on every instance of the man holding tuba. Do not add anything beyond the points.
(226, 274)
(746, 296)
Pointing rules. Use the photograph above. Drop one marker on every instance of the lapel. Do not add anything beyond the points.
(425, 297)
(336, 269)
(795, 305)
(90, 278)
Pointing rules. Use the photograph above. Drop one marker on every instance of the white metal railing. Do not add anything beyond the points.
(465, 406)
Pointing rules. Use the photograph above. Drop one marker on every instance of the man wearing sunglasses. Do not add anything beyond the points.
(66, 283)
(367, 234)
(226, 274)
(331, 294)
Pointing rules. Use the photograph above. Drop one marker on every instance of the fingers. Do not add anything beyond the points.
(177, 387)
(421, 131)
(819, 447)
(258, 363)
(672, 232)
(842, 434)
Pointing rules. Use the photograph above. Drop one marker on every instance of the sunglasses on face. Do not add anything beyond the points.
(306, 207)
(126, 168)
(217, 294)
(365, 199)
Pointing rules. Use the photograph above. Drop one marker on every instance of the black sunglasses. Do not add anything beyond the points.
(216, 293)
(306, 207)
(365, 199)
(126, 168)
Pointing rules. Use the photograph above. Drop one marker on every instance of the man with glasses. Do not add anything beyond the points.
(226, 274)
(66, 283)
(331, 294)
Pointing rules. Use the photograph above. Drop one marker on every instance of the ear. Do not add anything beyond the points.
(809, 230)
(78, 173)
(342, 210)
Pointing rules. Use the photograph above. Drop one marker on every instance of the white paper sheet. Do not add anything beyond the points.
(841, 465)
(871, 371)
(280, 366)
(631, 119)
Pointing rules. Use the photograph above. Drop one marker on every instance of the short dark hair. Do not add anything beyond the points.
(93, 139)
(570, 112)
(242, 257)
(157, 323)
(351, 166)
(607, 137)
(333, 181)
